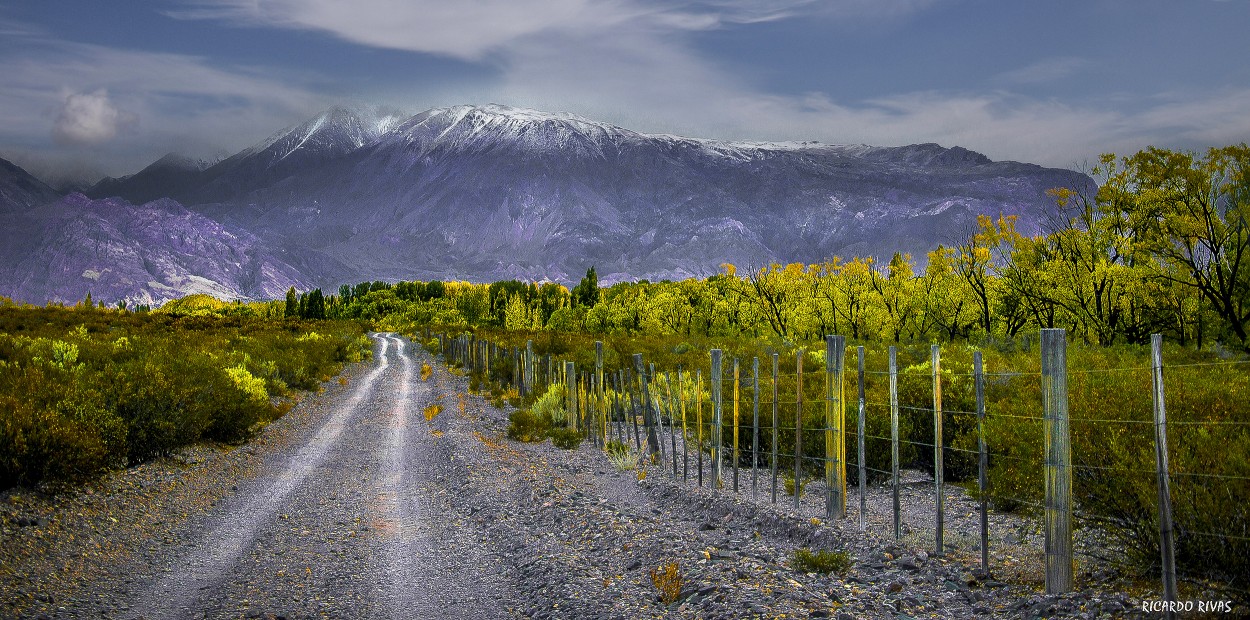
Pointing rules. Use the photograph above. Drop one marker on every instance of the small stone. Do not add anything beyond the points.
(895, 586)
(635, 565)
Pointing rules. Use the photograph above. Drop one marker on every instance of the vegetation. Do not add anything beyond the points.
(87, 389)
(821, 561)
(668, 580)
(1163, 246)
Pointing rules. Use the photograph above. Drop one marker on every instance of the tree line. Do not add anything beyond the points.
(1162, 246)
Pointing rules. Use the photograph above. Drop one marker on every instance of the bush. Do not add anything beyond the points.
(550, 405)
(822, 561)
(523, 425)
(567, 438)
(89, 389)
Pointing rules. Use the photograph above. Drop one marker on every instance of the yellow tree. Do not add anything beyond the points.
(1194, 213)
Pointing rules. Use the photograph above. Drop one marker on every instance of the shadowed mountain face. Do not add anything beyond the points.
(20, 191)
(492, 192)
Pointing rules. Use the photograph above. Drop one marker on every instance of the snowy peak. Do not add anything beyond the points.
(336, 131)
(492, 127)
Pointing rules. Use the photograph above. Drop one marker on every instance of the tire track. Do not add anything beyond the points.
(199, 572)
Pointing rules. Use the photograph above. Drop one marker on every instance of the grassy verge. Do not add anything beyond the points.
(86, 390)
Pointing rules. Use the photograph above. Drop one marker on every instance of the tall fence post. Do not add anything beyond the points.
(774, 461)
(657, 417)
(1167, 547)
(601, 393)
(632, 390)
(982, 463)
(939, 493)
(860, 426)
(698, 412)
(528, 386)
(685, 434)
(737, 425)
(835, 429)
(755, 428)
(894, 441)
(672, 417)
(653, 442)
(798, 427)
(1058, 449)
(716, 417)
(570, 396)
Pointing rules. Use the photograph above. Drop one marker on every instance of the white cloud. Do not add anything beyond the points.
(91, 97)
(89, 118)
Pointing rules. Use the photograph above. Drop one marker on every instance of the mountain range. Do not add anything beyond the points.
(492, 192)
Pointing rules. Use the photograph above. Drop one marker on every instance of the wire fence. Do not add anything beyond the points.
(1111, 458)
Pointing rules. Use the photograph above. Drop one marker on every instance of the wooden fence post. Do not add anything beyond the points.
(601, 393)
(982, 463)
(835, 427)
(716, 417)
(798, 427)
(685, 433)
(755, 429)
(657, 415)
(898, 533)
(698, 410)
(672, 417)
(644, 398)
(527, 377)
(633, 408)
(939, 493)
(775, 439)
(1167, 547)
(861, 425)
(1058, 449)
(737, 425)
(570, 396)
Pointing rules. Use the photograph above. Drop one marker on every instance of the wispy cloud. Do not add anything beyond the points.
(1044, 71)
(84, 96)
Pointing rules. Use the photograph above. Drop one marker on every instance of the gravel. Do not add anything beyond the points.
(370, 501)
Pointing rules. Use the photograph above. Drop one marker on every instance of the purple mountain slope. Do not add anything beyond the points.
(492, 192)
(142, 254)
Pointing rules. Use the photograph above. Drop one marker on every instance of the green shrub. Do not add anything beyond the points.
(523, 425)
(550, 405)
(88, 389)
(567, 438)
(821, 561)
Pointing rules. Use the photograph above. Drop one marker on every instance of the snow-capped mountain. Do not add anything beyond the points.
(490, 192)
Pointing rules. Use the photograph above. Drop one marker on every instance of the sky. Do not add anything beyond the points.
(90, 88)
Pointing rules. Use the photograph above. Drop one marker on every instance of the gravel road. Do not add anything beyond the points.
(395, 495)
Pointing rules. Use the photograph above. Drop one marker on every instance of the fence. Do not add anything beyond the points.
(1032, 437)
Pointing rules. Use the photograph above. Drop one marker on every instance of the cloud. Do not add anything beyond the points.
(467, 29)
(89, 118)
(92, 96)
(475, 29)
(1043, 71)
